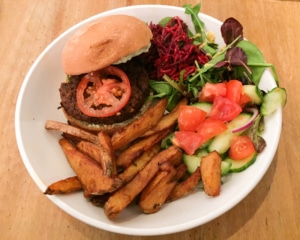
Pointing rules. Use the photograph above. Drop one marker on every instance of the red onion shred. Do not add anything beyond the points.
(250, 122)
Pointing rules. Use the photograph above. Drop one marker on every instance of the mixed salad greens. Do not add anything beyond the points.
(225, 103)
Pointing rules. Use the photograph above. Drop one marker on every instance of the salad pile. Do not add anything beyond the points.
(226, 108)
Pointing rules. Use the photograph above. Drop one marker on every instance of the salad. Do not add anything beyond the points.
(226, 108)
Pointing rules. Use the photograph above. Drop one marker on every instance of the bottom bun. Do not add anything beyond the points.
(108, 128)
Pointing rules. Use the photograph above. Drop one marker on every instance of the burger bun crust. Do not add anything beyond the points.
(104, 42)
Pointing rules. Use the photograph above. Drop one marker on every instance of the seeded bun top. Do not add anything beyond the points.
(105, 42)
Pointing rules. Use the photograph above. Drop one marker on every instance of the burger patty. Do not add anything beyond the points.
(138, 78)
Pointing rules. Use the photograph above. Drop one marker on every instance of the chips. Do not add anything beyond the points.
(114, 170)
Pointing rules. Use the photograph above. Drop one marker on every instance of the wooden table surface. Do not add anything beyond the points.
(270, 211)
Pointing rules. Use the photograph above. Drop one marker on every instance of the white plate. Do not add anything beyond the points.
(38, 101)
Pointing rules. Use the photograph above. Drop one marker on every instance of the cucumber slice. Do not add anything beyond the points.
(205, 106)
(254, 93)
(193, 161)
(241, 165)
(273, 100)
(225, 167)
(221, 143)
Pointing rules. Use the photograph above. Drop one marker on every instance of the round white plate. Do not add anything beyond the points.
(38, 101)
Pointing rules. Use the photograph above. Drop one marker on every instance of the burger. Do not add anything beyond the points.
(107, 87)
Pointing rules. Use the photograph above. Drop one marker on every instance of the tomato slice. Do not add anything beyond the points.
(189, 117)
(188, 141)
(224, 109)
(212, 90)
(234, 90)
(210, 128)
(241, 147)
(103, 93)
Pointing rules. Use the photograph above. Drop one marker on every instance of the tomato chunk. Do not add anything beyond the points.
(210, 128)
(234, 90)
(241, 147)
(189, 117)
(224, 109)
(103, 93)
(188, 141)
(244, 99)
(212, 90)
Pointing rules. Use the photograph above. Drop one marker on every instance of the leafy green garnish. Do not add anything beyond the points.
(198, 23)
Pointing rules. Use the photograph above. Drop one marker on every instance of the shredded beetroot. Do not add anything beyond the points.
(173, 50)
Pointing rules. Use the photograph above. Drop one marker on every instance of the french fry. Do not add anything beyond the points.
(181, 170)
(138, 164)
(125, 195)
(108, 158)
(67, 185)
(134, 130)
(99, 200)
(90, 149)
(102, 153)
(89, 171)
(137, 149)
(71, 130)
(167, 121)
(211, 173)
(185, 187)
(157, 191)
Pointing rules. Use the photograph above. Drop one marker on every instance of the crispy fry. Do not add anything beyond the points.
(180, 171)
(90, 149)
(211, 173)
(124, 196)
(138, 164)
(108, 158)
(164, 169)
(67, 185)
(68, 129)
(99, 200)
(89, 171)
(137, 149)
(157, 191)
(167, 121)
(102, 153)
(134, 130)
(185, 187)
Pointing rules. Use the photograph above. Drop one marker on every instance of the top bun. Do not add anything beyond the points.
(104, 42)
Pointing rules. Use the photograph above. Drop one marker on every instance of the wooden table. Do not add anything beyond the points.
(270, 211)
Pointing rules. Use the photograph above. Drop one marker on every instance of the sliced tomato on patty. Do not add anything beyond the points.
(103, 93)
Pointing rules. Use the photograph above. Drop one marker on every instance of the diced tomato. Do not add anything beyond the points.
(210, 128)
(241, 147)
(103, 93)
(224, 109)
(188, 141)
(212, 90)
(234, 90)
(189, 117)
(244, 99)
